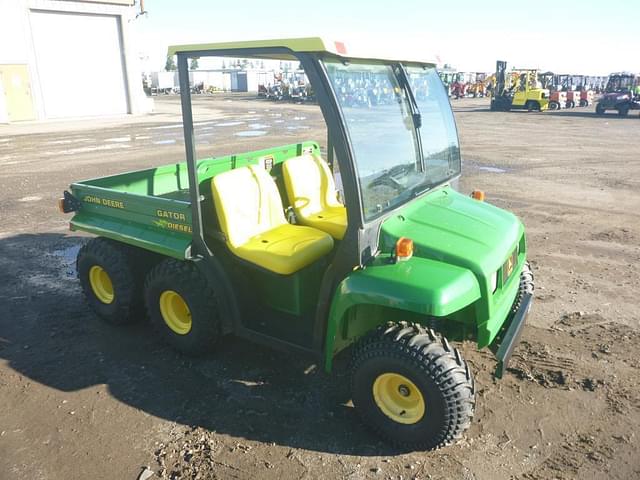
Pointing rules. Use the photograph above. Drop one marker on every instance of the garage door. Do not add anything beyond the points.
(79, 64)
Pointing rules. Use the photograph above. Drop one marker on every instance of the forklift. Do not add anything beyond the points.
(583, 85)
(518, 89)
(557, 97)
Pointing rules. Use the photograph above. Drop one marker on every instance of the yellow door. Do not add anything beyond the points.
(17, 91)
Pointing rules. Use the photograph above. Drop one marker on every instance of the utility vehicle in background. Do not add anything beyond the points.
(518, 89)
(260, 244)
(620, 94)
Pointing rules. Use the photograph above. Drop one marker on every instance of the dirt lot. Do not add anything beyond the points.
(81, 399)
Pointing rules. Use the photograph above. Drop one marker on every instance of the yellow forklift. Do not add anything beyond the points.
(518, 89)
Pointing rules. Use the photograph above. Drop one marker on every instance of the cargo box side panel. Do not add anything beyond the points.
(157, 224)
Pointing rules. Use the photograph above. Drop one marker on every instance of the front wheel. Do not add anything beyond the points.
(600, 110)
(411, 387)
(553, 105)
(584, 103)
(623, 110)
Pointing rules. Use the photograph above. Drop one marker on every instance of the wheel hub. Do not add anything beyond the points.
(399, 398)
(404, 390)
(175, 312)
(101, 284)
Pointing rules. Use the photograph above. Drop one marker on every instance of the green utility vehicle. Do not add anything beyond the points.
(388, 266)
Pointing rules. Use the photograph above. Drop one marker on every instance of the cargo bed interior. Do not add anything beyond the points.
(171, 181)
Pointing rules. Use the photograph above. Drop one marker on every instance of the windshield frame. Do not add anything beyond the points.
(401, 75)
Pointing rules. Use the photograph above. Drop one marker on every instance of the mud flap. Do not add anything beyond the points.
(511, 336)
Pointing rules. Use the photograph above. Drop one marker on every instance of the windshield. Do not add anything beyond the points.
(619, 83)
(388, 148)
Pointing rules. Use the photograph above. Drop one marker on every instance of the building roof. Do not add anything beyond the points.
(295, 45)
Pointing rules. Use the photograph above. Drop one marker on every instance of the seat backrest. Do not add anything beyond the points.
(309, 184)
(247, 203)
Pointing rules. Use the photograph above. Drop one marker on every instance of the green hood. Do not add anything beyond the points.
(448, 226)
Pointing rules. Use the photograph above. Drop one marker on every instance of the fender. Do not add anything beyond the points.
(422, 286)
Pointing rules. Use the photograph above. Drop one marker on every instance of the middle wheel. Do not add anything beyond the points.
(182, 306)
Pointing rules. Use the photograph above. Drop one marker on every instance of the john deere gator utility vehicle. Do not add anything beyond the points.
(261, 244)
(518, 89)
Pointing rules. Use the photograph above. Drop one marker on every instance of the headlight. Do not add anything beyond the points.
(494, 281)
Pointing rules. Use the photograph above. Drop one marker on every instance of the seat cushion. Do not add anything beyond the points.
(312, 193)
(333, 220)
(286, 249)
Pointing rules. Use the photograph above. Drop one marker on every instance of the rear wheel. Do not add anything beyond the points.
(182, 306)
(533, 106)
(584, 103)
(411, 387)
(623, 110)
(553, 105)
(109, 282)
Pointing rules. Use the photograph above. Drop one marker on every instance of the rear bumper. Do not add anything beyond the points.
(512, 334)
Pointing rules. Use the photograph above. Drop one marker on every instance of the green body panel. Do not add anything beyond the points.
(295, 294)
(150, 208)
(427, 287)
(457, 240)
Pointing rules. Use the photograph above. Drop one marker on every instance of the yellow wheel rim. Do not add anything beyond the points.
(101, 284)
(398, 398)
(175, 312)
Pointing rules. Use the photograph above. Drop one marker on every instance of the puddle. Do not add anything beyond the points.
(492, 169)
(30, 199)
(67, 257)
(228, 124)
(275, 114)
(299, 118)
(68, 141)
(119, 139)
(142, 137)
(278, 121)
(257, 126)
(162, 127)
(5, 140)
(73, 151)
(297, 127)
(164, 142)
(251, 133)
(251, 111)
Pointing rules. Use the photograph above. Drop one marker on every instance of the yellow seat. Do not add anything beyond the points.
(252, 219)
(312, 193)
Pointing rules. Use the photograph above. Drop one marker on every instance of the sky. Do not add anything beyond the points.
(579, 37)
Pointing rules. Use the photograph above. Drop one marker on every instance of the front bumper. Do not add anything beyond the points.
(512, 334)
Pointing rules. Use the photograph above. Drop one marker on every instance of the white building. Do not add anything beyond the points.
(68, 58)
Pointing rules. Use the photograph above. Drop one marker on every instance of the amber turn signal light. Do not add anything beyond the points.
(478, 195)
(61, 205)
(404, 248)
